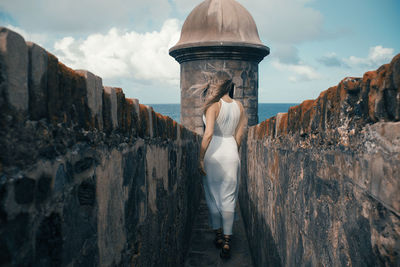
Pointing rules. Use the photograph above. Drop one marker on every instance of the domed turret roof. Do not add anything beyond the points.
(219, 22)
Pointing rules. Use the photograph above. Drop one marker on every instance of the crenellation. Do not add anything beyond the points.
(94, 95)
(110, 115)
(14, 57)
(37, 81)
(323, 178)
(77, 167)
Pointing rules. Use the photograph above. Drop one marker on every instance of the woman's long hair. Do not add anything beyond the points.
(221, 84)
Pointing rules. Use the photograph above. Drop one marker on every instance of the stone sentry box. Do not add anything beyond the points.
(218, 35)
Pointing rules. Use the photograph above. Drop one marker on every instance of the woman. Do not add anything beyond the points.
(219, 160)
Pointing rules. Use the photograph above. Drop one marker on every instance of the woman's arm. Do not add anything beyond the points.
(241, 125)
(211, 114)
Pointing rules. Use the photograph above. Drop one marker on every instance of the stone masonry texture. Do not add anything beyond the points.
(322, 183)
(198, 72)
(87, 176)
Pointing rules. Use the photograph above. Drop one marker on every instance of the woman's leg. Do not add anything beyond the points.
(227, 218)
(215, 220)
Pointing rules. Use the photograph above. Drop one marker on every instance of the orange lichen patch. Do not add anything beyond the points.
(262, 129)
(306, 105)
(293, 109)
(331, 93)
(307, 112)
(68, 72)
(325, 110)
(368, 77)
(350, 85)
(294, 114)
(323, 94)
(119, 90)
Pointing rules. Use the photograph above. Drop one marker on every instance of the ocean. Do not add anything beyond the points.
(265, 110)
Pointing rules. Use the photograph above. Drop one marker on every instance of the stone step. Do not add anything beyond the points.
(202, 251)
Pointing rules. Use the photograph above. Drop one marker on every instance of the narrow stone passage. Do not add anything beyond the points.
(202, 251)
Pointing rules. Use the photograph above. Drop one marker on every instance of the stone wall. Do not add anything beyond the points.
(87, 176)
(199, 72)
(321, 183)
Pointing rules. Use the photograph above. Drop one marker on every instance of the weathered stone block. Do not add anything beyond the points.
(94, 94)
(250, 103)
(120, 104)
(281, 124)
(110, 115)
(99, 199)
(130, 117)
(38, 60)
(13, 70)
(199, 72)
(194, 120)
(144, 121)
(329, 182)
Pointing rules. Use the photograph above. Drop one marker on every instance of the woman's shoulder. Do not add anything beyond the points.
(214, 107)
(239, 104)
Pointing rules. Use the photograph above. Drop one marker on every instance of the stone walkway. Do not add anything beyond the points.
(202, 251)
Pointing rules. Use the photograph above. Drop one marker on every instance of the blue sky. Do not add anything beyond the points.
(314, 43)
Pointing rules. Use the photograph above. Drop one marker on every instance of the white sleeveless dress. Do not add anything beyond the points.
(222, 165)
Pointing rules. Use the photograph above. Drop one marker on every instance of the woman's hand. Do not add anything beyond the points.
(201, 168)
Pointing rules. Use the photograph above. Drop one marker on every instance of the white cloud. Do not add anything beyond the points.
(282, 23)
(332, 60)
(76, 16)
(377, 56)
(297, 72)
(123, 54)
(285, 53)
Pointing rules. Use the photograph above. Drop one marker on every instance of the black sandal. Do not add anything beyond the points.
(226, 252)
(219, 239)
